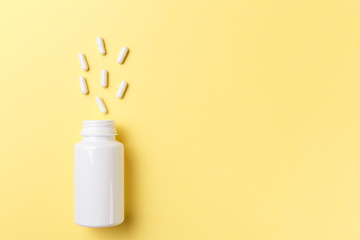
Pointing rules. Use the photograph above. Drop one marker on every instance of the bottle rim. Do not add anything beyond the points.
(98, 128)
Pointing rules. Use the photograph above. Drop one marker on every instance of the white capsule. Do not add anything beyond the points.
(101, 46)
(122, 54)
(101, 105)
(104, 78)
(122, 89)
(83, 62)
(83, 85)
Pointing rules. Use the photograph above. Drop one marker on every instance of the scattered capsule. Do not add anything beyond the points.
(122, 89)
(104, 78)
(83, 62)
(101, 105)
(100, 43)
(122, 55)
(83, 85)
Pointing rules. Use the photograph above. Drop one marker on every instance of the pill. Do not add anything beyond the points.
(104, 79)
(83, 62)
(122, 54)
(83, 86)
(101, 105)
(122, 89)
(100, 43)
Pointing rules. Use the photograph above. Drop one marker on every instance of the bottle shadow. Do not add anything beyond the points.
(129, 193)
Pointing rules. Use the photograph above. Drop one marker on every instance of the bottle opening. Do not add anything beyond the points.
(98, 127)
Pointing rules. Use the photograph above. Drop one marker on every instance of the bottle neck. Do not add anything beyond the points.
(98, 138)
(97, 128)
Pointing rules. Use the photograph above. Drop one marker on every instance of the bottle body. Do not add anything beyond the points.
(99, 181)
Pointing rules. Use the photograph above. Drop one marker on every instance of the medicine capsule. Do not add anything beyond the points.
(104, 78)
(83, 85)
(122, 54)
(83, 62)
(101, 105)
(100, 43)
(122, 89)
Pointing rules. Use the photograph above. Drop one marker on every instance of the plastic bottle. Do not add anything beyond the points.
(99, 176)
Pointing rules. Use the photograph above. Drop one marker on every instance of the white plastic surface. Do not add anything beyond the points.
(101, 46)
(122, 89)
(98, 128)
(122, 54)
(83, 85)
(83, 62)
(99, 176)
(104, 78)
(101, 105)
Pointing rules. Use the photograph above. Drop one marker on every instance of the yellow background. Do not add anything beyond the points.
(241, 120)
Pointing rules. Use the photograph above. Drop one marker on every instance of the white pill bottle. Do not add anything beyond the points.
(99, 176)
